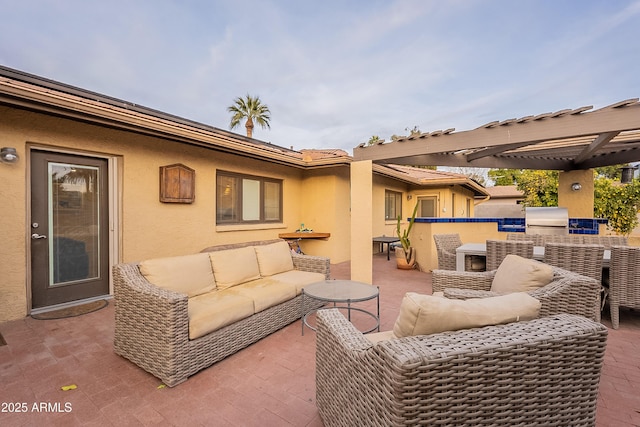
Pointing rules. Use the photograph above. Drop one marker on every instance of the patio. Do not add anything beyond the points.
(271, 383)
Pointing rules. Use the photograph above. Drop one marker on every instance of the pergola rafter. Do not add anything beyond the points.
(568, 139)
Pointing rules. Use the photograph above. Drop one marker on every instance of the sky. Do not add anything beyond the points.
(335, 73)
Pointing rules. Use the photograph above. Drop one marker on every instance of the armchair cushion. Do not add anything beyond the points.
(188, 274)
(518, 274)
(426, 314)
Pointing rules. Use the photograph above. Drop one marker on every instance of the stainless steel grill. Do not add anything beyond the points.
(546, 220)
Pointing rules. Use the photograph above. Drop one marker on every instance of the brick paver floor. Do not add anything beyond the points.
(270, 383)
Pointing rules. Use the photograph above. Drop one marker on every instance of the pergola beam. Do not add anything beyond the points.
(600, 141)
(506, 144)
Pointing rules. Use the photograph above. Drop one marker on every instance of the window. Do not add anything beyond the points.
(428, 206)
(392, 205)
(247, 199)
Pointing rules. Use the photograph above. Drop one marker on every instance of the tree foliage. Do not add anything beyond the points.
(618, 203)
(540, 187)
(476, 174)
(504, 176)
(375, 139)
(250, 108)
(611, 172)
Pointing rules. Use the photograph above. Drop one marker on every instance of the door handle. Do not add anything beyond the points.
(36, 236)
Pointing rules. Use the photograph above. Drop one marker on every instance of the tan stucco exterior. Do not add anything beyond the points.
(321, 188)
(579, 203)
(143, 226)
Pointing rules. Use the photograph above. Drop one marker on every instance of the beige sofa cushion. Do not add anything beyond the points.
(274, 258)
(265, 292)
(426, 314)
(517, 274)
(298, 278)
(214, 310)
(234, 266)
(188, 274)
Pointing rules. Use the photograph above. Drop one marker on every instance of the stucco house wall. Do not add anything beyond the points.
(145, 227)
(316, 192)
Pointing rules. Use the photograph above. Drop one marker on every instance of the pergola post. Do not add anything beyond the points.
(576, 192)
(361, 221)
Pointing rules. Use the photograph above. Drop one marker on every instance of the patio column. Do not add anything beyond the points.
(575, 192)
(361, 221)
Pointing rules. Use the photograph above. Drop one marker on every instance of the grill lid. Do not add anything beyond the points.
(540, 218)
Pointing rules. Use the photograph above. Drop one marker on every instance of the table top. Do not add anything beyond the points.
(304, 235)
(341, 291)
(385, 239)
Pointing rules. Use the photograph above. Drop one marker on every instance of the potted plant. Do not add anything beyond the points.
(406, 255)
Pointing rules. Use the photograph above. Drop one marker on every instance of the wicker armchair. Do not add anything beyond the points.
(543, 372)
(568, 292)
(446, 245)
(582, 259)
(497, 250)
(624, 281)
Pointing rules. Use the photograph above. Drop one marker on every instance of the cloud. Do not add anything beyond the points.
(335, 73)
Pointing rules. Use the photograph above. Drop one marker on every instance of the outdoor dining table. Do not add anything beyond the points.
(481, 250)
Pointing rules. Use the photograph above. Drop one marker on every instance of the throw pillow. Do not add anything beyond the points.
(517, 274)
(274, 258)
(427, 314)
(188, 274)
(234, 266)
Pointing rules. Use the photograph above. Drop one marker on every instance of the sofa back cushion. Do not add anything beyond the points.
(427, 314)
(188, 274)
(234, 266)
(274, 258)
(517, 274)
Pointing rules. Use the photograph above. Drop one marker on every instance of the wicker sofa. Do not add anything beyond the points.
(170, 334)
(567, 292)
(542, 372)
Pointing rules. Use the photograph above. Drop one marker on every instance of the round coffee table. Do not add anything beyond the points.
(343, 292)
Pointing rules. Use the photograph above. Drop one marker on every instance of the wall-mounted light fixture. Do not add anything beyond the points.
(627, 174)
(576, 186)
(8, 155)
(409, 197)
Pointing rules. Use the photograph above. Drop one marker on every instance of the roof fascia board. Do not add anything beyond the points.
(438, 182)
(64, 105)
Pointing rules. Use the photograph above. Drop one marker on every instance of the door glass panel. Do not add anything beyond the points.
(74, 226)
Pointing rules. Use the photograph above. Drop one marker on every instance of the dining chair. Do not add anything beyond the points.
(606, 241)
(585, 260)
(446, 245)
(497, 250)
(624, 280)
(537, 239)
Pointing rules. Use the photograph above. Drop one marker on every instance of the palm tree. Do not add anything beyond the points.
(252, 109)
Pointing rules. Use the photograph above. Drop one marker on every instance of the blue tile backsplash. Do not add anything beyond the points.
(516, 225)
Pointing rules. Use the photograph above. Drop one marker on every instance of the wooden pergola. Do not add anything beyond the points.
(572, 141)
(563, 140)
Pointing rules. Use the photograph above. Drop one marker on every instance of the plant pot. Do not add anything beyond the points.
(401, 259)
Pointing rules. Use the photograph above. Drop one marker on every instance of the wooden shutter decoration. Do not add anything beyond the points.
(177, 184)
